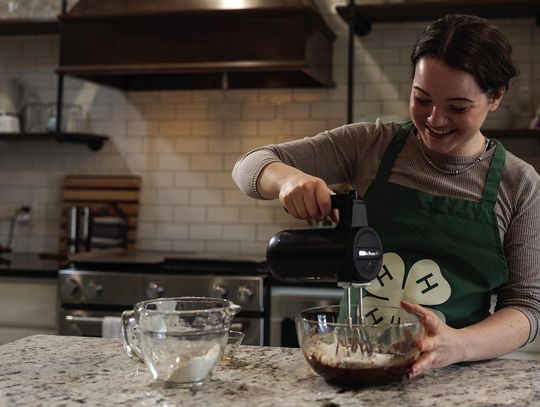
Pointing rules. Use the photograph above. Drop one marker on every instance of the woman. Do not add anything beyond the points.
(458, 216)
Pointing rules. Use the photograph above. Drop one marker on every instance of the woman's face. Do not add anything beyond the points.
(448, 108)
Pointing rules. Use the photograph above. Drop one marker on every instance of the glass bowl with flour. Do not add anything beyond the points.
(378, 351)
(181, 339)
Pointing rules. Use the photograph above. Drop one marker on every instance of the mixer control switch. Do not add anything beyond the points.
(154, 290)
(244, 293)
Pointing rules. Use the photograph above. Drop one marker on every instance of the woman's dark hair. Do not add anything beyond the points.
(470, 44)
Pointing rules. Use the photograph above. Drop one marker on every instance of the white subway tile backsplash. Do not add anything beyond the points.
(239, 232)
(175, 96)
(146, 229)
(294, 110)
(279, 127)
(235, 197)
(220, 180)
(171, 231)
(206, 162)
(156, 213)
(153, 244)
(206, 197)
(17, 194)
(162, 179)
(224, 145)
(256, 216)
(188, 245)
(208, 96)
(127, 112)
(206, 231)
(223, 215)
(306, 95)
(242, 95)
(172, 197)
(189, 179)
(192, 111)
(225, 111)
(241, 128)
(275, 95)
(157, 145)
(381, 91)
(189, 214)
(172, 162)
(307, 128)
(251, 143)
(191, 145)
(259, 111)
(207, 128)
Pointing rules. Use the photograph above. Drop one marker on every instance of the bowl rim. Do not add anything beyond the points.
(226, 305)
(299, 317)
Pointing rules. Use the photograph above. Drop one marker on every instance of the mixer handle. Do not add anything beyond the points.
(352, 210)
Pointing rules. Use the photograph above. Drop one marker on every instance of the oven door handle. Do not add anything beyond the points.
(74, 318)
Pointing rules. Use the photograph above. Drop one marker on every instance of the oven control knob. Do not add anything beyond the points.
(70, 288)
(244, 293)
(93, 289)
(221, 290)
(154, 290)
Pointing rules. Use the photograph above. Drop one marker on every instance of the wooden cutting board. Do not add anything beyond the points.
(105, 195)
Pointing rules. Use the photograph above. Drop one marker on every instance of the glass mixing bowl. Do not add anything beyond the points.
(386, 344)
(181, 339)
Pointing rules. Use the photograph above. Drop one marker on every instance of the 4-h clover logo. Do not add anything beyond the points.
(424, 284)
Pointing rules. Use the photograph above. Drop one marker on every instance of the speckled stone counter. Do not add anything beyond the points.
(71, 371)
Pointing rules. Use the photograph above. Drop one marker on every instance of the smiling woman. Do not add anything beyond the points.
(457, 214)
(476, 61)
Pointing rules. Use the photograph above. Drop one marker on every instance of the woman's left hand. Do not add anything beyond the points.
(440, 346)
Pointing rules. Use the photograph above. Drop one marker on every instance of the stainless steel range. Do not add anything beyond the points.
(94, 286)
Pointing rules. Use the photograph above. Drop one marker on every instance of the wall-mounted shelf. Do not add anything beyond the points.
(29, 26)
(45, 26)
(510, 134)
(366, 14)
(93, 141)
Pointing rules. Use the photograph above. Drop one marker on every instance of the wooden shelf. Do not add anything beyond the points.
(364, 15)
(512, 134)
(29, 26)
(93, 141)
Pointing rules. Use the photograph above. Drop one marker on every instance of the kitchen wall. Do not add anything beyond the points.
(184, 143)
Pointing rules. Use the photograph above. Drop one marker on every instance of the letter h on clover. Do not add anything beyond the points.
(424, 284)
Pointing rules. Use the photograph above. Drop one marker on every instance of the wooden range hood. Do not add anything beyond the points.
(196, 44)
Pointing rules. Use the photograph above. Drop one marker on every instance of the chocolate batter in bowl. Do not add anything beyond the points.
(389, 345)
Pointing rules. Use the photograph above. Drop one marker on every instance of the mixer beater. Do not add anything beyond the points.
(349, 253)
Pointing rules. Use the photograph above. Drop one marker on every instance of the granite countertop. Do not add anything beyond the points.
(51, 370)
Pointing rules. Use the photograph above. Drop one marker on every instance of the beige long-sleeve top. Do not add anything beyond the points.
(351, 154)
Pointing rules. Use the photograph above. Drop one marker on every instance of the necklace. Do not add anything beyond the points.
(455, 172)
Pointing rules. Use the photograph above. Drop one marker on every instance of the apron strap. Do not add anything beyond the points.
(392, 151)
(493, 179)
(494, 176)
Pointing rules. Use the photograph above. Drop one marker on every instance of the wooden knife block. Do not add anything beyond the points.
(105, 196)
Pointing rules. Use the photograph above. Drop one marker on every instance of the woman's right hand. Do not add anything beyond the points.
(302, 195)
(306, 197)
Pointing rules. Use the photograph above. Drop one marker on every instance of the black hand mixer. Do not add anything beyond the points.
(349, 253)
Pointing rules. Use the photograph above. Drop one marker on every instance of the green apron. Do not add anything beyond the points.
(442, 253)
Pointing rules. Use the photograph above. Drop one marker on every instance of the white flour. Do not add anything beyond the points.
(195, 369)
